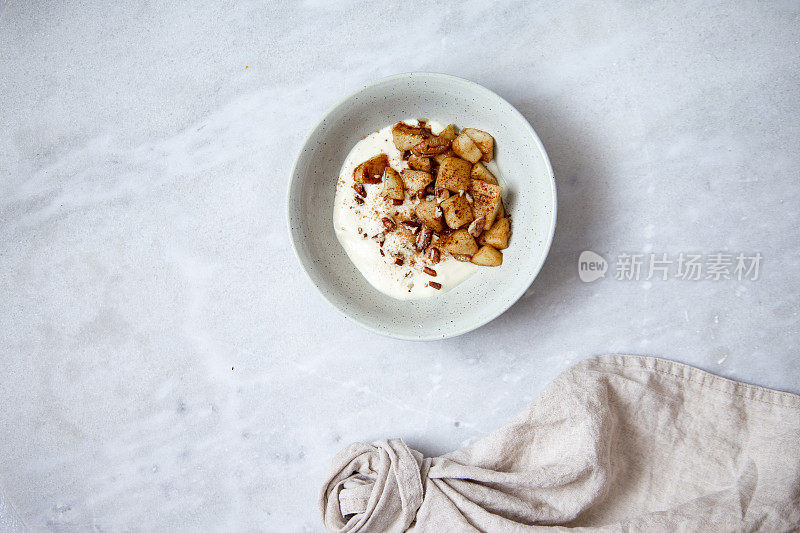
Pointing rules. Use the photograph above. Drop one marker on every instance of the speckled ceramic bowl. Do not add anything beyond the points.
(529, 195)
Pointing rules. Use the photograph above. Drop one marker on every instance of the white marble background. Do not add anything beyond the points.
(165, 365)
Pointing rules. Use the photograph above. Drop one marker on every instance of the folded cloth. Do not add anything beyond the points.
(616, 443)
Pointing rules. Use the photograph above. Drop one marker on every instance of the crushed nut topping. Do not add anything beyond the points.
(398, 262)
(397, 201)
(429, 271)
(413, 226)
(433, 255)
(359, 188)
(424, 238)
(435, 285)
(432, 146)
(359, 200)
(476, 227)
(388, 223)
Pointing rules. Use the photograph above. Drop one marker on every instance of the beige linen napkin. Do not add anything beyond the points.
(616, 443)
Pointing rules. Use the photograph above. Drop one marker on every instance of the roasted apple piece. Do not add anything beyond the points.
(480, 172)
(483, 141)
(453, 174)
(420, 163)
(485, 201)
(460, 242)
(405, 136)
(487, 256)
(465, 148)
(416, 180)
(392, 184)
(457, 211)
(497, 236)
(448, 133)
(371, 170)
(441, 157)
(427, 213)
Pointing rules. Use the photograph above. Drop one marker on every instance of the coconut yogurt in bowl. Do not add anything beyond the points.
(388, 260)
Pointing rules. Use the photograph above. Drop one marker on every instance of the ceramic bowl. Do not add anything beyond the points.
(529, 195)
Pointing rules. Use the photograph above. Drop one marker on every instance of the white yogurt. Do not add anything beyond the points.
(402, 282)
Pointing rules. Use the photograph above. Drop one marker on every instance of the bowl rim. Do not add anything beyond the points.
(510, 301)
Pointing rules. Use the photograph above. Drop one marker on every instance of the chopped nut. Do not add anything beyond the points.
(476, 227)
(424, 238)
(433, 255)
(359, 188)
(432, 146)
(380, 237)
(397, 202)
(359, 200)
(382, 254)
(429, 271)
(413, 226)
(398, 262)
(435, 285)
(388, 223)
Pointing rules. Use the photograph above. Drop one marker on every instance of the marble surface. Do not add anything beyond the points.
(165, 364)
